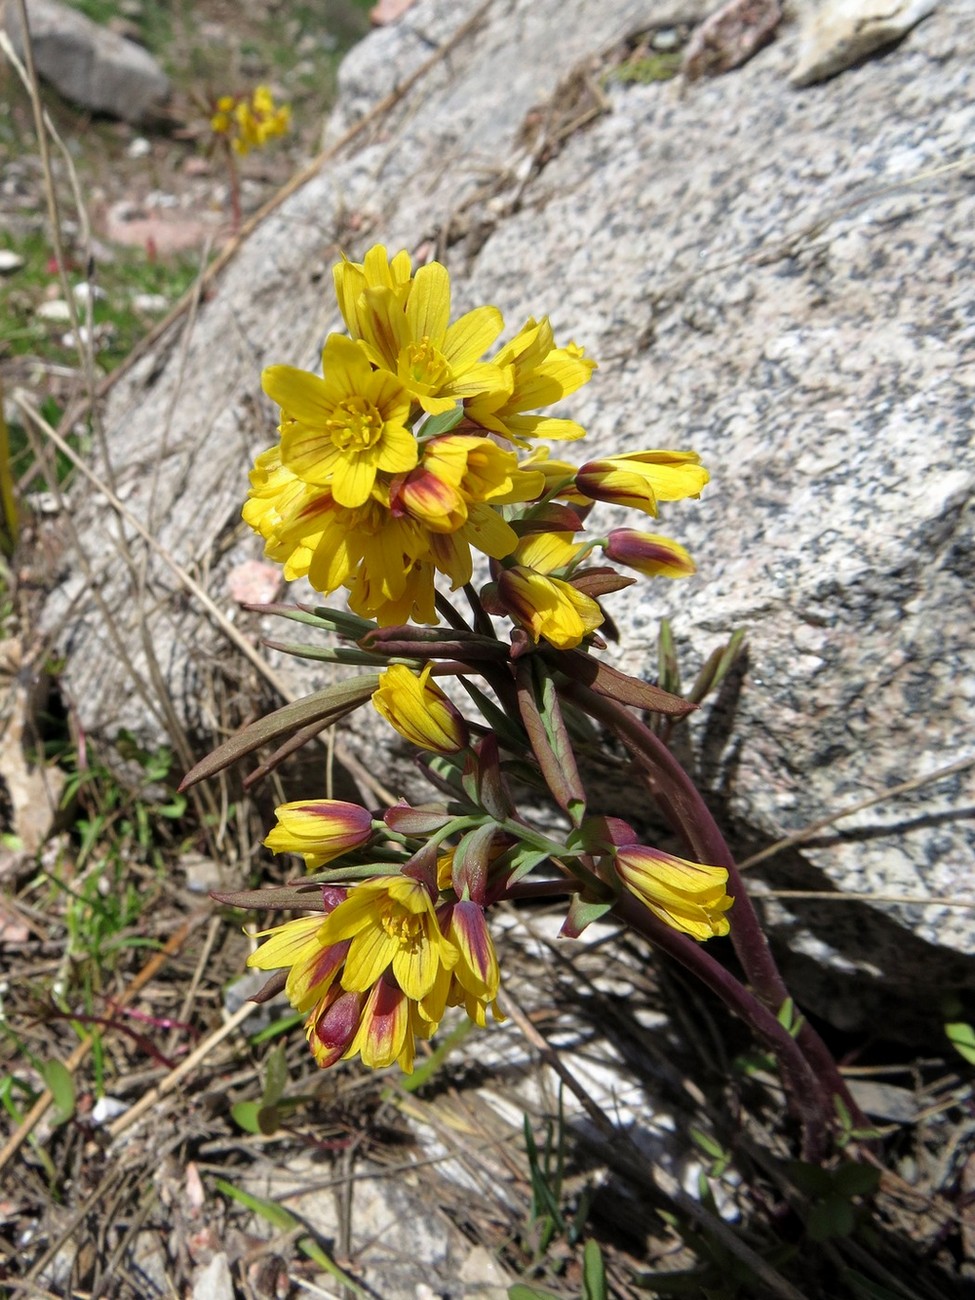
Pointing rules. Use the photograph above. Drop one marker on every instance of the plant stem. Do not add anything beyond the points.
(684, 804)
(803, 1088)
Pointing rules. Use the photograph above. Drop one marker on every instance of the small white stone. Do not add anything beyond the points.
(9, 261)
(139, 147)
(106, 1109)
(153, 304)
(84, 291)
(56, 310)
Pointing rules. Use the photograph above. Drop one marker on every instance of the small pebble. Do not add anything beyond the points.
(84, 291)
(153, 304)
(56, 310)
(665, 40)
(139, 147)
(106, 1109)
(9, 261)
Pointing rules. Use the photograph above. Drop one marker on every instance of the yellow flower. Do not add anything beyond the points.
(420, 711)
(649, 553)
(537, 373)
(547, 552)
(393, 927)
(375, 271)
(435, 361)
(548, 607)
(641, 479)
(319, 830)
(688, 896)
(475, 979)
(250, 123)
(379, 1021)
(340, 431)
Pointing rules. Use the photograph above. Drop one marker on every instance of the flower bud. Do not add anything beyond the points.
(548, 607)
(687, 896)
(319, 829)
(420, 711)
(642, 478)
(649, 553)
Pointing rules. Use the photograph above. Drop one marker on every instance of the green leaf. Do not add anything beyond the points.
(593, 1272)
(853, 1179)
(60, 1084)
(540, 712)
(244, 1114)
(442, 423)
(668, 668)
(810, 1179)
(275, 1076)
(277, 1027)
(582, 912)
(962, 1038)
(707, 1144)
(522, 859)
(830, 1218)
(716, 667)
(334, 654)
(323, 707)
(521, 1291)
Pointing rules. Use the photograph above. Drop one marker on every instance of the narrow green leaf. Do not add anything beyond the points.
(521, 1291)
(274, 1214)
(668, 668)
(593, 1272)
(563, 782)
(275, 1077)
(329, 705)
(333, 654)
(277, 1027)
(582, 667)
(58, 1078)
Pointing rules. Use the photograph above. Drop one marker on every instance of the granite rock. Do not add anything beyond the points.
(838, 33)
(783, 283)
(95, 68)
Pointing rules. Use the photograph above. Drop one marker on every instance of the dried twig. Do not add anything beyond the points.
(807, 832)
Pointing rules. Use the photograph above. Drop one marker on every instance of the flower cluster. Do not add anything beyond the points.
(412, 452)
(249, 122)
(401, 460)
(389, 955)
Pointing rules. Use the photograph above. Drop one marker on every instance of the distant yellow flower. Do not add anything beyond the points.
(537, 373)
(343, 429)
(319, 829)
(436, 362)
(548, 607)
(688, 896)
(250, 122)
(420, 711)
(641, 479)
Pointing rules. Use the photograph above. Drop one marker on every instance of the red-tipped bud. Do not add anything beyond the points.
(649, 553)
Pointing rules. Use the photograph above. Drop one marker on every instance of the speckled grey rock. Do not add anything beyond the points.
(838, 33)
(782, 281)
(88, 64)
